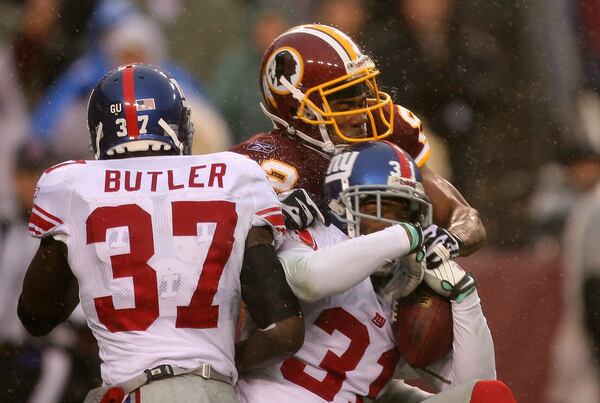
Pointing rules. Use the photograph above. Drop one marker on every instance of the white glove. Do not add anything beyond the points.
(407, 274)
(450, 280)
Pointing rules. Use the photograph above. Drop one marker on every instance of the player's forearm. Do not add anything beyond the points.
(50, 291)
(451, 211)
(335, 269)
(473, 346)
(466, 224)
(472, 354)
(266, 347)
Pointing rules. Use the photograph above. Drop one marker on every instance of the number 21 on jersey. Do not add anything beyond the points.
(337, 366)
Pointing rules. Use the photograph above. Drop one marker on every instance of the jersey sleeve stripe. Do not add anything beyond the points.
(34, 231)
(40, 222)
(269, 210)
(276, 220)
(45, 215)
(63, 164)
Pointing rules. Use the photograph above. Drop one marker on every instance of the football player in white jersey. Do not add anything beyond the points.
(349, 353)
(159, 248)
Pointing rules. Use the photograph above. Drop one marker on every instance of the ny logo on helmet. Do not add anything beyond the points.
(341, 166)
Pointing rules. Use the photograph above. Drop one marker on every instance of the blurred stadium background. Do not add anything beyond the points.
(508, 91)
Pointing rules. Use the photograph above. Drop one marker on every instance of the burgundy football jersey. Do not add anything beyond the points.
(291, 163)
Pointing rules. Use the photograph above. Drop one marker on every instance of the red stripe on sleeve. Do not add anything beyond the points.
(129, 99)
(276, 220)
(40, 222)
(268, 210)
(63, 164)
(34, 231)
(47, 214)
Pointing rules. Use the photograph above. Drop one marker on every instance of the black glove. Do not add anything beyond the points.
(301, 208)
(433, 236)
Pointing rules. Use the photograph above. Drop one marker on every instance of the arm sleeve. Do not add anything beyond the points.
(50, 208)
(472, 355)
(314, 275)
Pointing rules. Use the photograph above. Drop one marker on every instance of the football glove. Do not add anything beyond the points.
(407, 274)
(301, 208)
(435, 236)
(450, 280)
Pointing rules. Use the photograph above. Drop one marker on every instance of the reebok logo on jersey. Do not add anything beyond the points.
(378, 320)
(264, 148)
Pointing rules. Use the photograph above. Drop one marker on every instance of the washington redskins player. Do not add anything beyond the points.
(321, 92)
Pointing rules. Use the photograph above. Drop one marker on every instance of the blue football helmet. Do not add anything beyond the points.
(372, 172)
(138, 107)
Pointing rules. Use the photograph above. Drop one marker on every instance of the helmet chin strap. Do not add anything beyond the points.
(165, 126)
(326, 145)
(353, 227)
(99, 135)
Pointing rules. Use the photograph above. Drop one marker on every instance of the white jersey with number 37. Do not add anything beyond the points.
(156, 244)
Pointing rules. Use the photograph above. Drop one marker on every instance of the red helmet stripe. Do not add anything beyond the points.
(129, 99)
(405, 168)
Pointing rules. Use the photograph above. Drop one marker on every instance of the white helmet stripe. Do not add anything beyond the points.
(331, 41)
(347, 43)
(171, 133)
(99, 134)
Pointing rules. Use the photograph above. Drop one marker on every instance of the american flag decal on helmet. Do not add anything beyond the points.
(146, 104)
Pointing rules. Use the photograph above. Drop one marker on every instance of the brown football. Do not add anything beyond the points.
(422, 326)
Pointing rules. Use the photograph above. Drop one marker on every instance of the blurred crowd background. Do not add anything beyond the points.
(509, 93)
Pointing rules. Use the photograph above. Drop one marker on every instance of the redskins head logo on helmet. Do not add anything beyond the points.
(317, 84)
